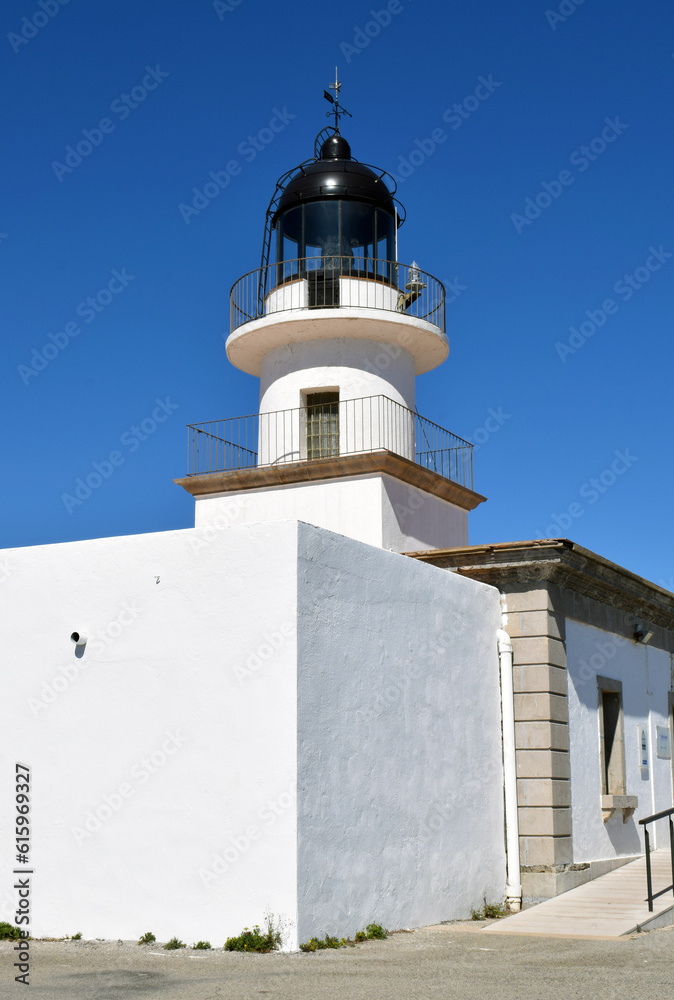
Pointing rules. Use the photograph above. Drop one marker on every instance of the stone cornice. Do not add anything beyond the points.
(322, 469)
(562, 562)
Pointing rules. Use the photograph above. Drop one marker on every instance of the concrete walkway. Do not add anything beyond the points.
(607, 907)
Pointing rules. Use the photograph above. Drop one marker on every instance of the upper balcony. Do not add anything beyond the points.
(320, 297)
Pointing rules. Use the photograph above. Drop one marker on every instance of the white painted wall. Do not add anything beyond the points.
(165, 760)
(399, 753)
(645, 674)
(250, 342)
(191, 634)
(359, 368)
(414, 520)
(375, 509)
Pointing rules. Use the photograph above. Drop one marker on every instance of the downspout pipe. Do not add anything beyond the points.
(512, 831)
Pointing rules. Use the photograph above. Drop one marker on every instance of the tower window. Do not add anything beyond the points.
(322, 424)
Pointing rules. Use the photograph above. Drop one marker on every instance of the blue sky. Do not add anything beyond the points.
(532, 234)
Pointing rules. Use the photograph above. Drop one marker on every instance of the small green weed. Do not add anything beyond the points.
(371, 933)
(9, 932)
(256, 940)
(375, 932)
(202, 946)
(147, 938)
(174, 944)
(489, 911)
(316, 944)
(76, 937)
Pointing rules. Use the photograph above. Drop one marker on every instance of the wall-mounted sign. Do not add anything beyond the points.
(664, 749)
(643, 745)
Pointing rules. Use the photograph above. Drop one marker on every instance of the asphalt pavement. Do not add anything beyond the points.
(453, 961)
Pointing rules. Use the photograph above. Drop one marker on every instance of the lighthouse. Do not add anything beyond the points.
(337, 329)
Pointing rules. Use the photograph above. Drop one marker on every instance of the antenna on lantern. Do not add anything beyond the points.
(337, 110)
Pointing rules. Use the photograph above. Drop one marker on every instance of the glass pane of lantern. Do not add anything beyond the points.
(321, 228)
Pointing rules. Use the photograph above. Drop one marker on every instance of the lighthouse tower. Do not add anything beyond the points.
(337, 329)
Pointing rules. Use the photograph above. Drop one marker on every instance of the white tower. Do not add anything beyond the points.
(337, 331)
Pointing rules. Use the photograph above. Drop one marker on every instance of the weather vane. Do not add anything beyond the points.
(337, 110)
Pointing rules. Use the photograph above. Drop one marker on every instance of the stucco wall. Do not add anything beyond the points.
(375, 509)
(645, 673)
(350, 506)
(400, 794)
(164, 760)
(414, 520)
(359, 368)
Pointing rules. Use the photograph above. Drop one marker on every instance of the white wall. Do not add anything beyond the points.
(376, 509)
(165, 760)
(414, 520)
(399, 752)
(645, 674)
(191, 634)
(359, 368)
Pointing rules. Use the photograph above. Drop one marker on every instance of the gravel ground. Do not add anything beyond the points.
(451, 960)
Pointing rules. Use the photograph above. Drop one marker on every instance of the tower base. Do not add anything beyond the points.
(376, 497)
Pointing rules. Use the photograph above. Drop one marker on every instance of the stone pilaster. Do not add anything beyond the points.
(541, 730)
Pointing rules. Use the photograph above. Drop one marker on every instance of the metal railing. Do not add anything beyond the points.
(649, 877)
(329, 282)
(345, 427)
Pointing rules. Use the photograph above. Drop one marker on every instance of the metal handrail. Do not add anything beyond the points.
(649, 878)
(345, 282)
(365, 424)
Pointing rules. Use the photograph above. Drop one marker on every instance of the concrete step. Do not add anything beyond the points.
(610, 906)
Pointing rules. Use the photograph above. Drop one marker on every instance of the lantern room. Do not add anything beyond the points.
(337, 214)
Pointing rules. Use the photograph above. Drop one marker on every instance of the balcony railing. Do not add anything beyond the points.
(329, 430)
(337, 282)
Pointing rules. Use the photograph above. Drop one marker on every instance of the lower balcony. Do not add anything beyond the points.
(332, 429)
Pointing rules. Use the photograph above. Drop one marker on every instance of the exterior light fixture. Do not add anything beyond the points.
(640, 635)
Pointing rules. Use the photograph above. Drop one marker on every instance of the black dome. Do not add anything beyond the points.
(335, 147)
(336, 175)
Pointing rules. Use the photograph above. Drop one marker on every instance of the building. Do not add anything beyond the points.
(593, 673)
(279, 710)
